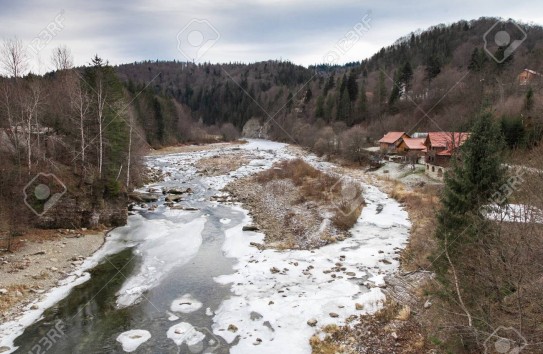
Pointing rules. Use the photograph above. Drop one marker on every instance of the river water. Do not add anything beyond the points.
(189, 281)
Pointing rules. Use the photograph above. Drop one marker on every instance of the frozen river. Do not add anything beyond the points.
(188, 281)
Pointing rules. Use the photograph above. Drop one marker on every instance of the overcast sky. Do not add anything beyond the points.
(304, 32)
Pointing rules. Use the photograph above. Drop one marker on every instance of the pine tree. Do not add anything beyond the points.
(329, 107)
(406, 75)
(381, 91)
(396, 93)
(344, 107)
(433, 67)
(477, 60)
(308, 95)
(362, 104)
(319, 111)
(476, 174)
(352, 86)
(330, 83)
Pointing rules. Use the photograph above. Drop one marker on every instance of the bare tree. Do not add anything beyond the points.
(80, 103)
(13, 57)
(10, 109)
(101, 102)
(62, 58)
(30, 105)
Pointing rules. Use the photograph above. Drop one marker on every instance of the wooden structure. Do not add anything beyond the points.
(391, 140)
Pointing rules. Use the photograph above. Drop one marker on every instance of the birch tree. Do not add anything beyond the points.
(101, 99)
(80, 104)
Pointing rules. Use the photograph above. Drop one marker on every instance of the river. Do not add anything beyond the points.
(188, 281)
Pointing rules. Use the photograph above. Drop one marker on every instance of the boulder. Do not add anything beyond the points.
(143, 197)
(173, 198)
(250, 227)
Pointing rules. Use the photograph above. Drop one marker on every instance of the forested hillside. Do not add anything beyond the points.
(429, 80)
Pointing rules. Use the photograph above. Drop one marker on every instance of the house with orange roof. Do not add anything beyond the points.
(440, 148)
(527, 76)
(391, 140)
(412, 145)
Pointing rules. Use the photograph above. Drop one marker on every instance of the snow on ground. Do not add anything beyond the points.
(131, 340)
(276, 293)
(515, 213)
(258, 144)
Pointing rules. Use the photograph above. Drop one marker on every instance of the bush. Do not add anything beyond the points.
(229, 132)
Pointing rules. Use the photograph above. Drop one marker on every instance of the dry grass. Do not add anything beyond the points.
(9, 300)
(292, 203)
(221, 164)
(390, 330)
(319, 187)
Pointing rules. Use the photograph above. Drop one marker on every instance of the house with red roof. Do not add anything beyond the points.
(440, 148)
(527, 76)
(391, 140)
(412, 145)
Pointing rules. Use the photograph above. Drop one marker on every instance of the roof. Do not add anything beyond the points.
(532, 72)
(447, 140)
(392, 137)
(415, 143)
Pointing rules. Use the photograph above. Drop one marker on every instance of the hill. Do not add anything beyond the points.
(435, 79)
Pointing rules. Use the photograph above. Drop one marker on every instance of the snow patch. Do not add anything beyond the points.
(518, 213)
(185, 304)
(131, 340)
(185, 333)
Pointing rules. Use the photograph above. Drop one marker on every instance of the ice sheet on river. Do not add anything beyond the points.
(163, 245)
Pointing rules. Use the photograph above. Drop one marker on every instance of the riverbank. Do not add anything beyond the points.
(41, 260)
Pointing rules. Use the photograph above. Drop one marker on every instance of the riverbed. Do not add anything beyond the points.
(184, 278)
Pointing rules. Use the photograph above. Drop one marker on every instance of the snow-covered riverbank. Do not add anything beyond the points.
(277, 293)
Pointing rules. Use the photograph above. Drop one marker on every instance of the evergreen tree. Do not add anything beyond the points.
(433, 67)
(396, 92)
(308, 95)
(477, 60)
(476, 174)
(319, 111)
(343, 85)
(289, 101)
(344, 107)
(352, 86)
(406, 75)
(362, 104)
(330, 83)
(381, 92)
(329, 107)
(513, 131)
